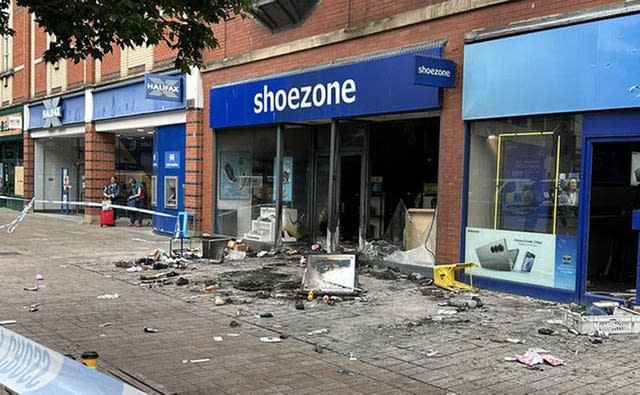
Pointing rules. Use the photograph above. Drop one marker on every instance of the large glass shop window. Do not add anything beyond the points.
(245, 198)
(524, 180)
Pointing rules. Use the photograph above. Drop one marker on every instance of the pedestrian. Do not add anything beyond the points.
(111, 192)
(135, 200)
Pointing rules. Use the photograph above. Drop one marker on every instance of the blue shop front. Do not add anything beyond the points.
(327, 136)
(148, 118)
(553, 161)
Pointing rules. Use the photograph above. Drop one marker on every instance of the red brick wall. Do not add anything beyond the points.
(163, 56)
(99, 162)
(21, 53)
(28, 163)
(450, 28)
(193, 162)
(110, 68)
(75, 74)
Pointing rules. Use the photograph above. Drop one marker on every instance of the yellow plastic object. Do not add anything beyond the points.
(444, 276)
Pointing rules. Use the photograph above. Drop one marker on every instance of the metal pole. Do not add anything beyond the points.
(365, 190)
(332, 204)
(277, 182)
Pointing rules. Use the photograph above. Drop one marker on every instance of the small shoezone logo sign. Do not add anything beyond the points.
(163, 87)
(435, 72)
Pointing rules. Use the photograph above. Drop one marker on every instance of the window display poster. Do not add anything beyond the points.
(522, 257)
(287, 178)
(566, 262)
(235, 175)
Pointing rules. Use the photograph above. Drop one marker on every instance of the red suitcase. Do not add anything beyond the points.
(106, 218)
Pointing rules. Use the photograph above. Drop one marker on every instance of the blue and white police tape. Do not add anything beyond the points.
(27, 367)
(103, 205)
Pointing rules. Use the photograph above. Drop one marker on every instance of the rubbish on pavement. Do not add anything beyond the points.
(621, 320)
(351, 357)
(596, 340)
(530, 358)
(546, 331)
(310, 296)
(34, 307)
(555, 322)
(108, 296)
(236, 255)
(262, 253)
(182, 281)
(447, 312)
(218, 301)
(146, 329)
(239, 313)
(346, 372)
(104, 324)
(318, 332)
(134, 269)
(432, 353)
(551, 360)
(299, 304)
(233, 334)
(317, 348)
(315, 247)
(39, 277)
(330, 274)
(237, 245)
(196, 360)
(209, 288)
(8, 322)
(217, 338)
(234, 324)
(303, 261)
(270, 339)
(325, 299)
(90, 359)
(264, 314)
(599, 333)
(36, 288)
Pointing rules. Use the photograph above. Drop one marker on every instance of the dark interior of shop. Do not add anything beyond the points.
(404, 159)
(615, 192)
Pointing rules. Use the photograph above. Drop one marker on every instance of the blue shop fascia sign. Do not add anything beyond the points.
(163, 87)
(56, 112)
(380, 85)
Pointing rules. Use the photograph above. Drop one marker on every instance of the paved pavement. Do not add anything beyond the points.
(395, 339)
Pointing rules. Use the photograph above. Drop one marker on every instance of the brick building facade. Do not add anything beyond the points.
(330, 32)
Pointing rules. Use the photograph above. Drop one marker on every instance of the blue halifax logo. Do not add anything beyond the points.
(161, 87)
(172, 160)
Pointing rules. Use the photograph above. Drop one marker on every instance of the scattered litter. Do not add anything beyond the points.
(595, 340)
(292, 252)
(209, 288)
(218, 301)
(299, 304)
(530, 358)
(283, 336)
(318, 332)
(217, 338)
(432, 353)
(546, 331)
(315, 247)
(34, 307)
(264, 314)
(234, 324)
(514, 341)
(351, 357)
(36, 288)
(63, 266)
(317, 348)
(233, 334)
(182, 281)
(510, 359)
(346, 372)
(599, 333)
(303, 261)
(262, 253)
(102, 335)
(447, 312)
(39, 277)
(538, 350)
(270, 339)
(149, 330)
(239, 313)
(555, 322)
(575, 332)
(553, 361)
(196, 360)
(8, 322)
(134, 269)
(105, 324)
(108, 296)
(236, 255)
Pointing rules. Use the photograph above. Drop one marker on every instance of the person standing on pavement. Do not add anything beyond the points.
(135, 200)
(111, 192)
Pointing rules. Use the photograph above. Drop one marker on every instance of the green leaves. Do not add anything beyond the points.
(85, 28)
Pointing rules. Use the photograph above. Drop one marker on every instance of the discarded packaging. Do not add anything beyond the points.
(8, 322)
(39, 277)
(318, 332)
(36, 288)
(134, 269)
(514, 341)
(34, 307)
(146, 329)
(104, 325)
(236, 255)
(233, 334)
(218, 301)
(315, 247)
(432, 353)
(217, 338)
(351, 357)
(262, 253)
(303, 260)
(530, 358)
(551, 360)
(196, 360)
(270, 339)
(108, 296)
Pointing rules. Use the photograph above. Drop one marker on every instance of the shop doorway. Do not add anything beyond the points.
(613, 193)
(349, 171)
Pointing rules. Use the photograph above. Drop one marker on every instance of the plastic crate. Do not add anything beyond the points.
(617, 323)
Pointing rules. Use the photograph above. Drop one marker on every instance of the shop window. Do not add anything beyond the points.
(522, 211)
(154, 191)
(246, 198)
(171, 192)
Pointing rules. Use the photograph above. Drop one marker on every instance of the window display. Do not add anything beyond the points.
(171, 192)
